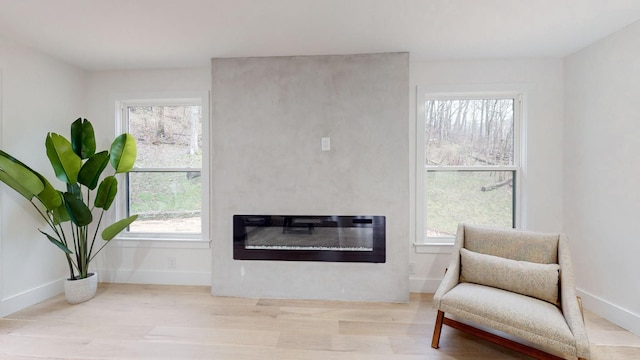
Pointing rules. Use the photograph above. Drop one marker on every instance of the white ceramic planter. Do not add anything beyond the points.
(77, 291)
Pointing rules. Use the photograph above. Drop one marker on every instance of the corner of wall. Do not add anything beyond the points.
(612, 312)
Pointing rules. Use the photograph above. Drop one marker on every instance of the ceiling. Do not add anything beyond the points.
(134, 34)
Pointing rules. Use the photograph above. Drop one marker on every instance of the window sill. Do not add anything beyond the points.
(433, 248)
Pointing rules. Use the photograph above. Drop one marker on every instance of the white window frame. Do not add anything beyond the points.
(422, 95)
(202, 238)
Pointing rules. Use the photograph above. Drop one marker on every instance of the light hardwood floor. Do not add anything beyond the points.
(182, 322)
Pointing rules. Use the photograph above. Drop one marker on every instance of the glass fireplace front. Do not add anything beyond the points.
(309, 238)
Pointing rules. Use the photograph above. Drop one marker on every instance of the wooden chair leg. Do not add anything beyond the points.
(496, 339)
(435, 341)
(580, 306)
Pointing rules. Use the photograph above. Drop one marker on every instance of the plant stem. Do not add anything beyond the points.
(95, 234)
(61, 236)
(94, 237)
(63, 239)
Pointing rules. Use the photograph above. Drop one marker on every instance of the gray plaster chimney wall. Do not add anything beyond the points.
(269, 115)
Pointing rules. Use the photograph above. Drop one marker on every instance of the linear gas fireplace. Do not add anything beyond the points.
(309, 238)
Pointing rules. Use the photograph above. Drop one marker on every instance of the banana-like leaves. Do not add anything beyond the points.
(19, 176)
(75, 190)
(83, 140)
(123, 153)
(60, 214)
(77, 210)
(49, 196)
(77, 164)
(57, 243)
(114, 229)
(92, 169)
(106, 193)
(65, 162)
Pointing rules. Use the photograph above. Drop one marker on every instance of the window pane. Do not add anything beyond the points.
(467, 132)
(167, 136)
(475, 197)
(167, 202)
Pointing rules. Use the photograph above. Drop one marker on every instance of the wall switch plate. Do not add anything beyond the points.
(326, 143)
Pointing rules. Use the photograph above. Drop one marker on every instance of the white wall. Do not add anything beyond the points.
(597, 200)
(541, 82)
(147, 261)
(541, 79)
(39, 94)
(268, 117)
(602, 174)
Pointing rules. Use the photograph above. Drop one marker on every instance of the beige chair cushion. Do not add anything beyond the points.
(523, 316)
(512, 244)
(522, 277)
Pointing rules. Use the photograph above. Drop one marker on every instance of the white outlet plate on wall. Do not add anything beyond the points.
(326, 143)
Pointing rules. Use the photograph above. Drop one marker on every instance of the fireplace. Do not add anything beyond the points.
(309, 238)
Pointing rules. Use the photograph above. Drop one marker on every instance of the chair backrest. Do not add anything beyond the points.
(512, 244)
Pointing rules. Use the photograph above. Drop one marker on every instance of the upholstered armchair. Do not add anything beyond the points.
(519, 283)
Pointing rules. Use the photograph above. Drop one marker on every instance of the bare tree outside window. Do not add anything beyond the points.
(164, 187)
(469, 163)
(469, 132)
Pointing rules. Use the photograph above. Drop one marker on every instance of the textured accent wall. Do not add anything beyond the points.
(268, 118)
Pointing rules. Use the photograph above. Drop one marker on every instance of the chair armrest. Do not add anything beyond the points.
(452, 274)
(571, 308)
(450, 280)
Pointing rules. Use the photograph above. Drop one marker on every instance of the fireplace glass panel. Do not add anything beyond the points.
(309, 238)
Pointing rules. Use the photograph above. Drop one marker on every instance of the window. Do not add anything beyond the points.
(468, 151)
(166, 186)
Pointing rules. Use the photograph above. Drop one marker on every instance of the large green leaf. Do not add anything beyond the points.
(123, 153)
(65, 162)
(106, 193)
(19, 176)
(77, 210)
(57, 243)
(15, 185)
(75, 190)
(50, 197)
(60, 214)
(83, 138)
(114, 229)
(92, 169)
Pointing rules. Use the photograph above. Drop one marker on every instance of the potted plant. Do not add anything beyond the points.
(69, 214)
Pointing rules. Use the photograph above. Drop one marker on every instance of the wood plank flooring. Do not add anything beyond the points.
(183, 322)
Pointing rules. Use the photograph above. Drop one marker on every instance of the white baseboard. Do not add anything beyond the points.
(15, 303)
(614, 313)
(423, 285)
(155, 277)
